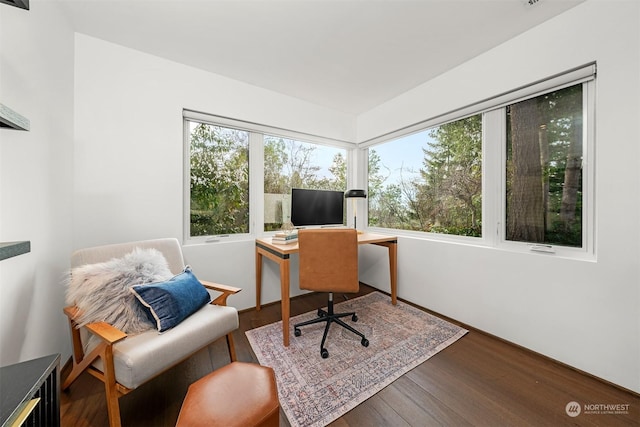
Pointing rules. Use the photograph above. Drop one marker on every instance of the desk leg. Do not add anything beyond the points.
(284, 291)
(258, 279)
(393, 268)
(393, 271)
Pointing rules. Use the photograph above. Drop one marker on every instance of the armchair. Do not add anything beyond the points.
(123, 362)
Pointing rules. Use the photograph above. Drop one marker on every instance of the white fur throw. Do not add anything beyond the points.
(101, 291)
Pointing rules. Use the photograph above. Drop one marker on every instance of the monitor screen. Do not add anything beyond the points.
(316, 207)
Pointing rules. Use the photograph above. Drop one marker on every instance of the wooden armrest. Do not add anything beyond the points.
(108, 333)
(71, 311)
(221, 288)
(225, 289)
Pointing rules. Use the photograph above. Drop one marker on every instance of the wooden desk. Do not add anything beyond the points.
(280, 254)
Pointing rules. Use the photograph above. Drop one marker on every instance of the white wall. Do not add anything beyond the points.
(36, 80)
(123, 130)
(129, 151)
(585, 314)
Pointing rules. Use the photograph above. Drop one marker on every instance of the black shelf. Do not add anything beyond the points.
(38, 378)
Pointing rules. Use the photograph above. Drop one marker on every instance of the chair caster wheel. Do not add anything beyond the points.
(364, 342)
(324, 353)
(354, 318)
(297, 332)
(321, 313)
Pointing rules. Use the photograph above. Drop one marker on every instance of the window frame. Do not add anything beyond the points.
(186, 222)
(587, 250)
(494, 153)
(441, 236)
(256, 170)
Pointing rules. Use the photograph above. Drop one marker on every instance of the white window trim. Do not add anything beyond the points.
(567, 78)
(256, 170)
(588, 250)
(187, 239)
(494, 165)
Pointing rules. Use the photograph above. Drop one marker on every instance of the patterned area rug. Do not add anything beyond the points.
(315, 391)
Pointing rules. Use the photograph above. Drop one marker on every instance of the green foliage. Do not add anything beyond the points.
(219, 180)
(275, 158)
(220, 176)
(290, 164)
(447, 196)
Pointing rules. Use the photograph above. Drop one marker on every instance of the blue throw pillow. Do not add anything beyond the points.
(169, 303)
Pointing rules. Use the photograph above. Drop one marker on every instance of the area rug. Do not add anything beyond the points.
(314, 391)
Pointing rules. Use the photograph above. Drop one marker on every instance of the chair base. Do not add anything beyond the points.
(330, 317)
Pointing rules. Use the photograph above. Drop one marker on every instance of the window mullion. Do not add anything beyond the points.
(256, 183)
(493, 204)
(589, 210)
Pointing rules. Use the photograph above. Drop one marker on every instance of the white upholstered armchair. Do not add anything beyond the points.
(125, 361)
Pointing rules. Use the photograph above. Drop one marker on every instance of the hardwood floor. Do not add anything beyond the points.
(479, 380)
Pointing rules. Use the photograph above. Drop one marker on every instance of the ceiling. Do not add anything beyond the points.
(348, 55)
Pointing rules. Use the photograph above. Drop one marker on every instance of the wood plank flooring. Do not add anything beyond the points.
(477, 381)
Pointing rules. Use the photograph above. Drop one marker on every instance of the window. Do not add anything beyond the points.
(515, 171)
(429, 181)
(218, 180)
(544, 168)
(238, 175)
(289, 163)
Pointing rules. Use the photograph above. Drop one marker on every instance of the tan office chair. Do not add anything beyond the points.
(329, 263)
(124, 362)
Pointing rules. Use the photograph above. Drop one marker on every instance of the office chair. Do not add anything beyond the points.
(329, 263)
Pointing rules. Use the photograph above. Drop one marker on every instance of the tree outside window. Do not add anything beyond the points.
(291, 164)
(430, 181)
(219, 180)
(544, 169)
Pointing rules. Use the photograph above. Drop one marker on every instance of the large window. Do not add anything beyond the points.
(429, 181)
(515, 171)
(239, 175)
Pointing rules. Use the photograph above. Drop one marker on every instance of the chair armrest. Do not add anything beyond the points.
(71, 311)
(105, 331)
(226, 291)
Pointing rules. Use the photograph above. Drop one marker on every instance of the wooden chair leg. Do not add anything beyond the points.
(80, 367)
(111, 391)
(78, 353)
(232, 348)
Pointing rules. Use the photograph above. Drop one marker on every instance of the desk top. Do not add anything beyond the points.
(292, 248)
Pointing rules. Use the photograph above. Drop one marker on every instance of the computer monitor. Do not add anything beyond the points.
(316, 207)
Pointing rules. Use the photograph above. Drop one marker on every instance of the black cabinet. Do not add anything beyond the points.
(30, 393)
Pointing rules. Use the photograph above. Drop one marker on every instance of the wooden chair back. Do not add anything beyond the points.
(329, 259)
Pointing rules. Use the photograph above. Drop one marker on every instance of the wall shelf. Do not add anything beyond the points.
(11, 249)
(22, 4)
(10, 119)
